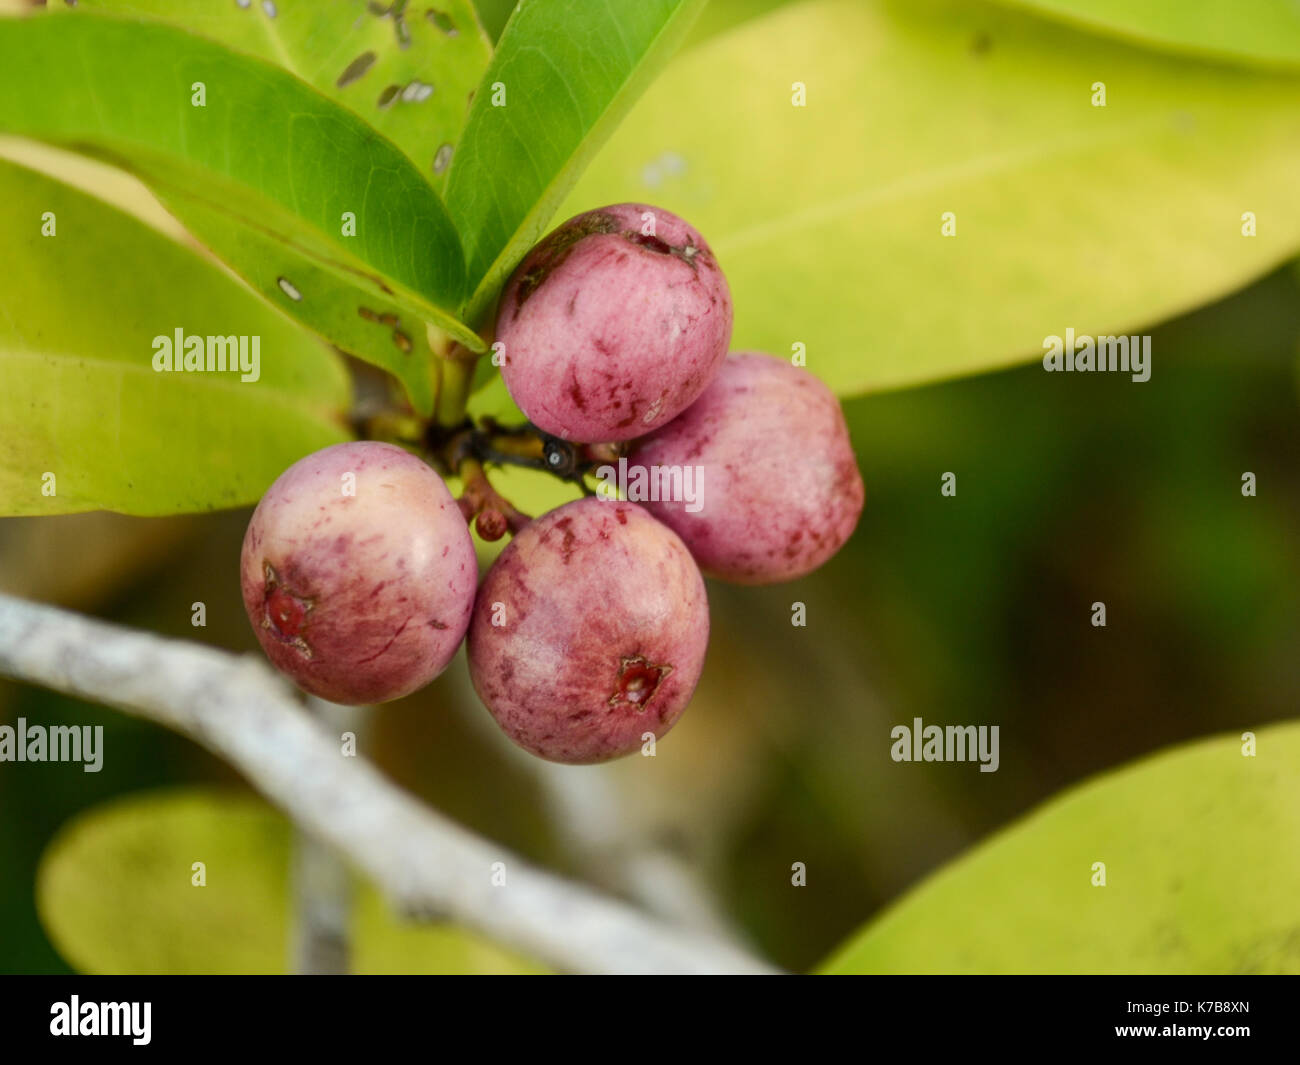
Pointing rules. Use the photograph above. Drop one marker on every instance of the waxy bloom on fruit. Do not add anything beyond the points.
(780, 488)
(589, 632)
(613, 324)
(358, 573)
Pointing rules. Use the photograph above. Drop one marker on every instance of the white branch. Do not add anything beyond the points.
(427, 865)
(595, 817)
(322, 881)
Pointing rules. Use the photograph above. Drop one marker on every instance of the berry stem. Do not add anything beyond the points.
(455, 377)
(492, 513)
(461, 449)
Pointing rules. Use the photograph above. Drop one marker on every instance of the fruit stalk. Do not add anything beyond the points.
(455, 371)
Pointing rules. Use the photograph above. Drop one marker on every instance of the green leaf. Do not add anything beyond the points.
(723, 15)
(388, 336)
(1254, 31)
(266, 152)
(422, 61)
(357, 320)
(494, 14)
(1200, 877)
(425, 84)
(827, 218)
(114, 892)
(81, 400)
(564, 73)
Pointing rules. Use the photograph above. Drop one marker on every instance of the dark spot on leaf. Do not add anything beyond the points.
(391, 320)
(442, 21)
(388, 95)
(356, 68)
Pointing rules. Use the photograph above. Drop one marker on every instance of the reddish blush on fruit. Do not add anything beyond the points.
(589, 632)
(613, 324)
(778, 484)
(358, 573)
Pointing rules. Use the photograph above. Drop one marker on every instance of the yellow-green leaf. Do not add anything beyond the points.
(243, 140)
(117, 893)
(1201, 873)
(87, 422)
(828, 218)
(1251, 31)
(407, 69)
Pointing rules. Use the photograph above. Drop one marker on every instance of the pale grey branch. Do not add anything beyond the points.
(427, 865)
(322, 882)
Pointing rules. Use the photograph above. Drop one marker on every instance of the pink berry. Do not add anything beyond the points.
(358, 573)
(779, 488)
(589, 631)
(610, 332)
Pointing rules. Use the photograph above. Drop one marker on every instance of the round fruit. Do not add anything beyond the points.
(358, 573)
(589, 631)
(610, 332)
(779, 489)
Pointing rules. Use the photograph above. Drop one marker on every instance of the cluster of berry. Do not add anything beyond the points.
(589, 631)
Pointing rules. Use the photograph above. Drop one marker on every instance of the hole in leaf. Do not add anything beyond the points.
(417, 92)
